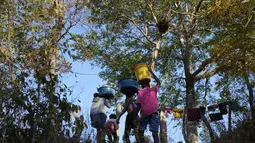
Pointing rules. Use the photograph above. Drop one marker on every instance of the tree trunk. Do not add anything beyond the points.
(184, 125)
(246, 78)
(191, 125)
(52, 67)
(251, 96)
(204, 119)
(118, 111)
(155, 53)
(208, 126)
(190, 93)
(9, 38)
(163, 127)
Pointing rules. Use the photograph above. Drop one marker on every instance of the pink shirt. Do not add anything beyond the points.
(147, 97)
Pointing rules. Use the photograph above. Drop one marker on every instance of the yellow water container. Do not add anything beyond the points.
(142, 72)
(178, 113)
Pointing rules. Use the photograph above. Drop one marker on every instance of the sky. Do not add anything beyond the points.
(85, 84)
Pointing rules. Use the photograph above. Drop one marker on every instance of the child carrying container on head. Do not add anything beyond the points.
(131, 119)
(148, 104)
(111, 127)
(98, 115)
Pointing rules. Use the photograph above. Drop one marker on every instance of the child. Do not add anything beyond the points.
(130, 107)
(111, 127)
(98, 115)
(148, 104)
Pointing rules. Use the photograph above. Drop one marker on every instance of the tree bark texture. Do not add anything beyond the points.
(163, 127)
(118, 111)
(191, 125)
(208, 126)
(192, 134)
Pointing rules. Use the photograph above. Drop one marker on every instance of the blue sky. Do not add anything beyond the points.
(85, 84)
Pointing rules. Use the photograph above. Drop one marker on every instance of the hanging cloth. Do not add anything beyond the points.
(213, 107)
(223, 108)
(215, 117)
(178, 113)
(193, 114)
(167, 110)
(202, 109)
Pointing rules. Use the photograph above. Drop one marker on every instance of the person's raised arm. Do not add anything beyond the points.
(118, 118)
(107, 103)
(122, 112)
(155, 77)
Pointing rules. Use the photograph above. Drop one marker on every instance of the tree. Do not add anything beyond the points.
(235, 37)
(135, 31)
(34, 105)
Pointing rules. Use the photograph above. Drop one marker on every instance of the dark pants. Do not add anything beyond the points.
(131, 123)
(112, 137)
(98, 121)
(101, 135)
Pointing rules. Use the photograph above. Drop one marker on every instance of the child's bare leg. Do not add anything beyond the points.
(141, 136)
(98, 137)
(155, 136)
(115, 138)
(109, 137)
(137, 135)
(103, 134)
(127, 132)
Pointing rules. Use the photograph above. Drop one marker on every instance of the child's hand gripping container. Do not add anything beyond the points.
(142, 72)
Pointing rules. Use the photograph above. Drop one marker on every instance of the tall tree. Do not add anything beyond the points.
(34, 105)
(136, 31)
(236, 37)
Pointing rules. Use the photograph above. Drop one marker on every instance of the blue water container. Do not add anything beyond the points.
(106, 91)
(128, 86)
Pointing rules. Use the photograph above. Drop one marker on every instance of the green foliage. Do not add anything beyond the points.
(202, 40)
(34, 105)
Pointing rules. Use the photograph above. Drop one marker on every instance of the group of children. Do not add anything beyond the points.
(146, 103)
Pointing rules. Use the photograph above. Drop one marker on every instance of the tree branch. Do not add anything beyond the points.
(208, 126)
(144, 34)
(202, 66)
(196, 10)
(71, 23)
(247, 23)
(209, 74)
(154, 16)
